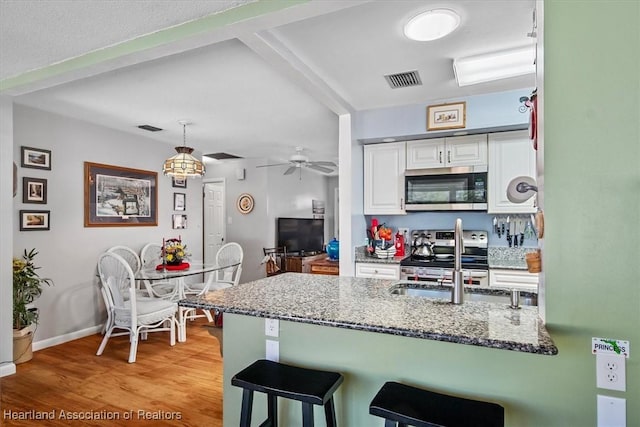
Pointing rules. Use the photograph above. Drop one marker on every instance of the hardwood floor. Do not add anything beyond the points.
(167, 386)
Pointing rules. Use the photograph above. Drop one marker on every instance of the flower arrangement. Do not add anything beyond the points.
(27, 286)
(173, 251)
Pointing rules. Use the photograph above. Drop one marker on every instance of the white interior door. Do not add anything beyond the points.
(214, 215)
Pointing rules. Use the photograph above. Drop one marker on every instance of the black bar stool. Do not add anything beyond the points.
(402, 405)
(309, 386)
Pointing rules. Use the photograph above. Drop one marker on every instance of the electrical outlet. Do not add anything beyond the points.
(610, 372)
(271, 327)
(404, 232)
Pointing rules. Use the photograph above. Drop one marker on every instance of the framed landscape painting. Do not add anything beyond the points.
(115, 196)
(34, 220)
(35, 158)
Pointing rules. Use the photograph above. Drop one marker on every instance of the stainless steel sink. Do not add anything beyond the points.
(439, 293)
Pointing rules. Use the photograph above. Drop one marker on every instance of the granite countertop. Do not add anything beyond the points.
(498, 257)
(361, 256)
(366, 304)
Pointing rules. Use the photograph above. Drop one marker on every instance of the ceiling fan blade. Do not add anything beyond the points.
(319, 168)
(277, 164)
(331, 164)
(291, 170)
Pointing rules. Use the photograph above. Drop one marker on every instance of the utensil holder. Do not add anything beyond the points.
(534, 262)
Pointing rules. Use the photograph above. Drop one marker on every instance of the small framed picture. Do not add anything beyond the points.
(34, 220)
(35, 158)
(179, 221)
(34, 190)
(178, 182)
(446, 116)
(179, 201)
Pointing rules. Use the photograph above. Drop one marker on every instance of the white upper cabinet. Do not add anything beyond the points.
(384, 166)
(511, 154)
(425, 153)
(469, 150)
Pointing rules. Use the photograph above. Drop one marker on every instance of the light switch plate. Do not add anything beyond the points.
(612, 411)
(611, 372)
(272, 351)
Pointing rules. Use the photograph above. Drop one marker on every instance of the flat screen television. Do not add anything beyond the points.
(300, 235)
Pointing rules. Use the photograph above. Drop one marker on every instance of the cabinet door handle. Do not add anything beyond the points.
(440, 156)
(449, 156)
(401, 202)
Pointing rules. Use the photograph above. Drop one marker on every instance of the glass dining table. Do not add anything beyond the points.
(169, 283)
(170, 273)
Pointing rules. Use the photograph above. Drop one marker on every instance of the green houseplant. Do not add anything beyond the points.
(27, 287)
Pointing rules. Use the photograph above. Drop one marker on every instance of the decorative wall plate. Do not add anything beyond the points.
(245, 203)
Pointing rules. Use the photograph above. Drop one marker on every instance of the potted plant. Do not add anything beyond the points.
(27, 287)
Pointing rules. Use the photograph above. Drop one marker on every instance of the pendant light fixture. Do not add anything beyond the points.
(183, 164)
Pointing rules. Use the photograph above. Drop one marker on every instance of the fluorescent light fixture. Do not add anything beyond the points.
(495, 66)
(432, 25)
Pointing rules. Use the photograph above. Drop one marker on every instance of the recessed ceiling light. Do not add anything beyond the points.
(432, 25)
(388, 140)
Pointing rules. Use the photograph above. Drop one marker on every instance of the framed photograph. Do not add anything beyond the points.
(34, 190)
(446, 116)
(178, 182)
(179, 201)
(245, 203)
(117, 197)
(36, 158)
(179, 221)
(34, 220)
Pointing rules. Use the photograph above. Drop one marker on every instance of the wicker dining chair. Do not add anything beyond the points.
(133, 314)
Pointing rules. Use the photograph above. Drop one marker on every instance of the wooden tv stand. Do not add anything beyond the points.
(302, 264)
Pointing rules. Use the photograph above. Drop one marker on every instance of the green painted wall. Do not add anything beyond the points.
(591, 258)
(592, 190)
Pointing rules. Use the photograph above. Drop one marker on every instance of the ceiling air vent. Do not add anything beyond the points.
(406, 79)
(222, 156)
(149, 128)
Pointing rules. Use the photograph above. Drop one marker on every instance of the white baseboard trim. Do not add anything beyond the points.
(6, 369)
(60, 339)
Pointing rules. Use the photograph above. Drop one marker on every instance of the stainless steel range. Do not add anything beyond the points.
(431, 257)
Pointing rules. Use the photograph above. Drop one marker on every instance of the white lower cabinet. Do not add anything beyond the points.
(378, 270)
(513, 279)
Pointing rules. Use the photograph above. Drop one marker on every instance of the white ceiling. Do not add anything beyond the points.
(255, 88)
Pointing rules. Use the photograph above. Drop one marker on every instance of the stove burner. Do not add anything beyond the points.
(475, 254)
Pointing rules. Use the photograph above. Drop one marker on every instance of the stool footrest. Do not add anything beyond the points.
(421, 408)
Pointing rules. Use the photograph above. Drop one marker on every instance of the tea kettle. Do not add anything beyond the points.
(422, 246)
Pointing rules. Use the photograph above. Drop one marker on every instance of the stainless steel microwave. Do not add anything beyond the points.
(445, 190)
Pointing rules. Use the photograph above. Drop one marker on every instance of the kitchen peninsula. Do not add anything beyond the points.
(356, 326)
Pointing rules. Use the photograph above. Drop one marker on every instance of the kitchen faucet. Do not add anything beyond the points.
(457, 291)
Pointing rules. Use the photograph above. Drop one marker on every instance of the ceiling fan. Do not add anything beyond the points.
(298, 160)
